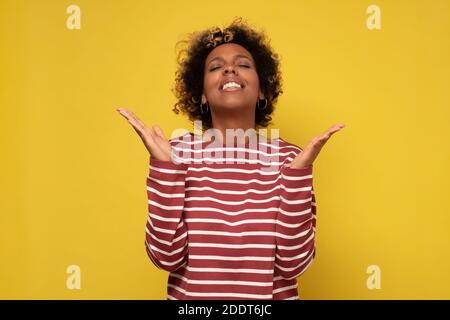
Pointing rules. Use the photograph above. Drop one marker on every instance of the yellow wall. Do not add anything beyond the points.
(73, 170)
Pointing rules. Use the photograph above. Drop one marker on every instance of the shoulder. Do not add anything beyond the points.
(185, 138)
(286, 146)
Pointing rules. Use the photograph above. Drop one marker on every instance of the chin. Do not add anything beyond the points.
(236, 104)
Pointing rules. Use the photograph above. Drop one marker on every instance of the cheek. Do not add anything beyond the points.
(210, 82)
(252, 77)
(254, 80)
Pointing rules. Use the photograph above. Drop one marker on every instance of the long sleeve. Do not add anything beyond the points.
(166, 233)
(295, 229)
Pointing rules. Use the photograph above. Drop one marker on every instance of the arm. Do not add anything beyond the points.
(296, 221)
(166, 232)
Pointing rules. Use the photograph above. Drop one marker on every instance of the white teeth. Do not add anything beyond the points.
(231, 85)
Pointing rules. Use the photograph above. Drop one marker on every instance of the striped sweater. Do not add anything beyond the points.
(230, 222)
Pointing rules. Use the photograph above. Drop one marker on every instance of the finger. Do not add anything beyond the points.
(159, 131)
(335, 128)
(147, 135)
(126, 114)
(160, 151)
(324, 137)
(312, 150)
(141, 129)
(123, 112)
(133, 119)
(161, 141)
(130, 115)
(137, 119)
(149, 139)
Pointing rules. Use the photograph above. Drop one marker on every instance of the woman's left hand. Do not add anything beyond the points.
(309, 154)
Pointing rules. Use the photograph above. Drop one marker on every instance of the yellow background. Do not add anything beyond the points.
(74, 171)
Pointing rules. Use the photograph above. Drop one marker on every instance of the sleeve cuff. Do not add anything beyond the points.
(289, 171)
(167, 164)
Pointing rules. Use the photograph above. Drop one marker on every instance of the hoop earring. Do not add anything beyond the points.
(201, 108)
(265, 105)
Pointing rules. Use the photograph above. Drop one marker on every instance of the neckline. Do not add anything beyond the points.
(261, 139)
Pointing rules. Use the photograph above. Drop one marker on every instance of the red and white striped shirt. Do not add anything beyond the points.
(240, 230)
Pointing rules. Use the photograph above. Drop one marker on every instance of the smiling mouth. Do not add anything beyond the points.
(232, 87)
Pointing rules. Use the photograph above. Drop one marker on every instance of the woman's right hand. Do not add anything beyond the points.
(154, 140)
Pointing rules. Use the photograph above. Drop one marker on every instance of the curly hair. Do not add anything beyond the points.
(191, 61)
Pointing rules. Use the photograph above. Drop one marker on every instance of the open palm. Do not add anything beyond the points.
(309, 154)
(154, 140)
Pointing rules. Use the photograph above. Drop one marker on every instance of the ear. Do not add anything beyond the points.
(204, 99)
(261, 95)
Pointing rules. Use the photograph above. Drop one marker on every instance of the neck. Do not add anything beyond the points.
(235, 120)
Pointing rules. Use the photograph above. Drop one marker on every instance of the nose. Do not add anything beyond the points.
(230, 68)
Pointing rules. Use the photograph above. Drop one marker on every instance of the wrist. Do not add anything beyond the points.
(300, 165)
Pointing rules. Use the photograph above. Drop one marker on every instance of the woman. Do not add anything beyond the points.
(229, 230)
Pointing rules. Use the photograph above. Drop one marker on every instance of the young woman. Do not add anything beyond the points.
(240, 229)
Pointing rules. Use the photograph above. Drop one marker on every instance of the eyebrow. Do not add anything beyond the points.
(239, 55)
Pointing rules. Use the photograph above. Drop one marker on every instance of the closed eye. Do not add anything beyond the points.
(241, 65)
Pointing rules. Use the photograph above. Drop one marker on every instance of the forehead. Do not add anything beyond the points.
(228, 50)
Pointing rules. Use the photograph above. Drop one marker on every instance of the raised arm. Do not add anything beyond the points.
(166, 233)
(296, 223)
(295, 240)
